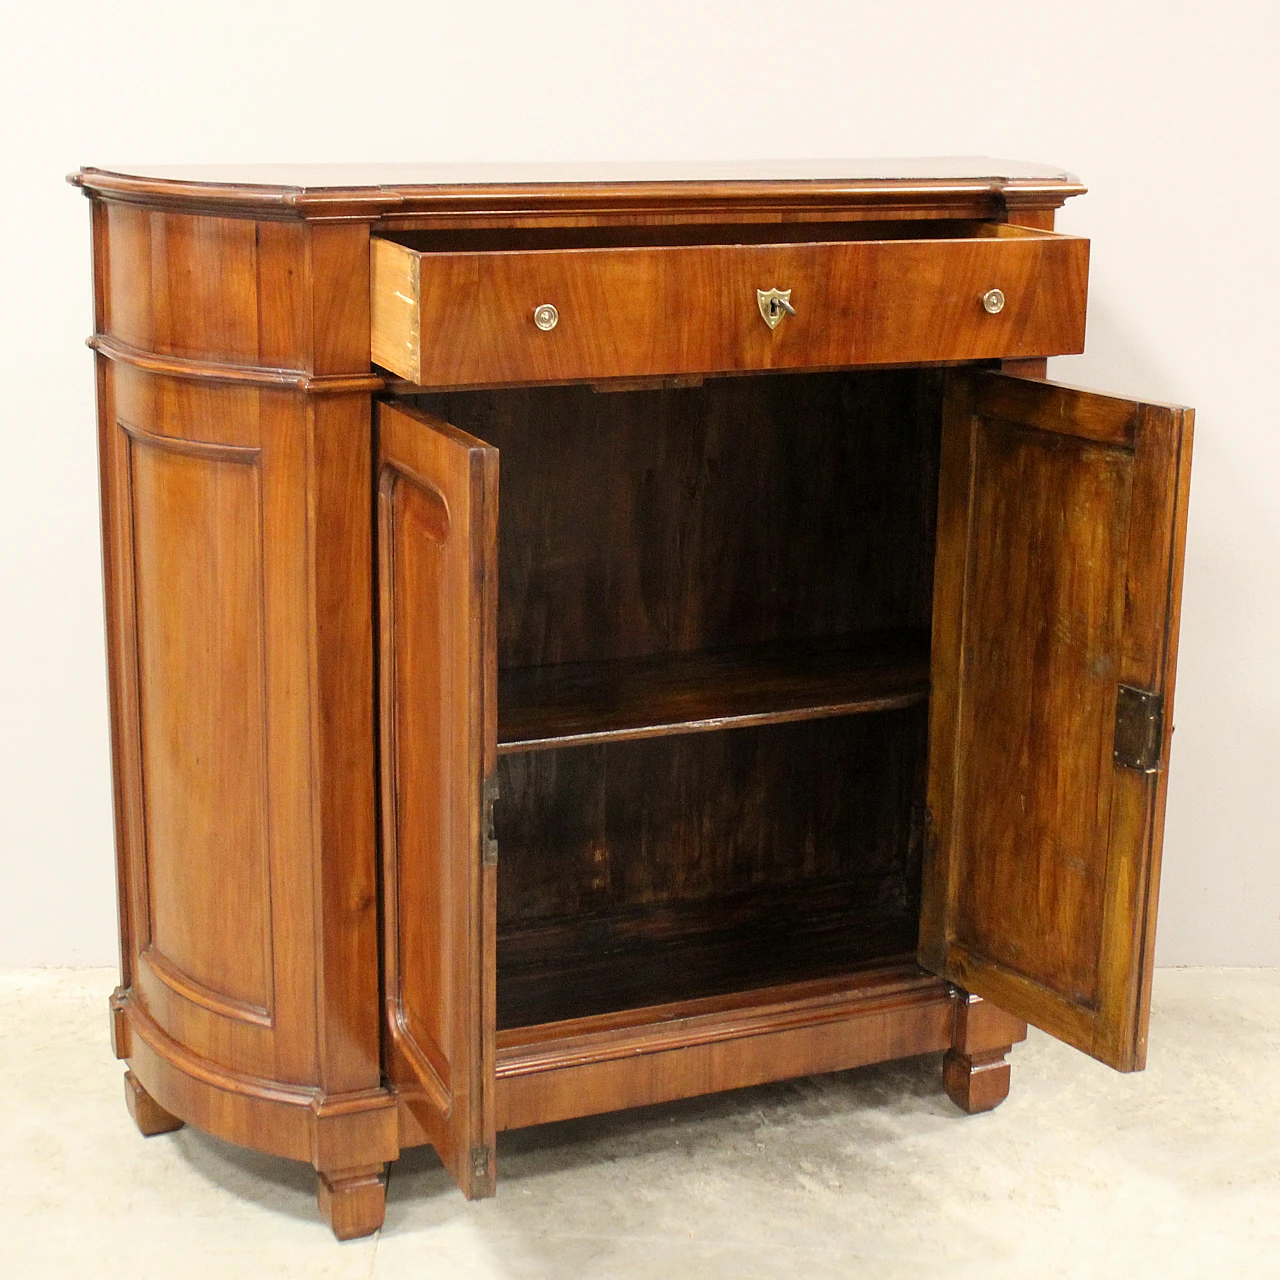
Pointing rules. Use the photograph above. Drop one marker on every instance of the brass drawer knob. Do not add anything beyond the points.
(993, 302)
(546, 317)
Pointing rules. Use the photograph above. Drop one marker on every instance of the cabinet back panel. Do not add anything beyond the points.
(596, 830)
(673, 868)
(743, 511)
(748, 941)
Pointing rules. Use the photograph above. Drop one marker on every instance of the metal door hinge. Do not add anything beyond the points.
(1139, 729)
(488, 841)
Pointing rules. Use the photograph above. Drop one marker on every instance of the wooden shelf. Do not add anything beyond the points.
(575, 704)
(758, 938)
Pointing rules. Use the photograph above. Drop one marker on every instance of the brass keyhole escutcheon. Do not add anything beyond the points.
(774, 304)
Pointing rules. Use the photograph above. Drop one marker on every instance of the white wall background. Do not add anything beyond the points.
(1169, 113)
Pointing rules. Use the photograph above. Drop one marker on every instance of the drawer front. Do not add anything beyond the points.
(467, 319)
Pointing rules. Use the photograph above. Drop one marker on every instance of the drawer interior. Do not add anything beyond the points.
(549, 239)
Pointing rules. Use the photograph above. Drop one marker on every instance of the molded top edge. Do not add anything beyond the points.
(544, 189)
(321, 177)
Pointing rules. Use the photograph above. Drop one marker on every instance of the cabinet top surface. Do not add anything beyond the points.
(497, 189)
(555, 173)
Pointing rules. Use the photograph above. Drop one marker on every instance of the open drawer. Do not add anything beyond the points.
(448, 318)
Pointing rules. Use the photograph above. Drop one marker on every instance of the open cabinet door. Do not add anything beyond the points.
(1061, 521)
(437, 590)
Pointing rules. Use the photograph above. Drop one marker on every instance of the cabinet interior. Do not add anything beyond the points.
(713, 653)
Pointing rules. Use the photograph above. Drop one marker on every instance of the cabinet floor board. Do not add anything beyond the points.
(658, 954)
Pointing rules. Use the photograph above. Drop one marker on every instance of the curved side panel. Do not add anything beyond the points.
(195, 531)
(238, 582)
(296, 1121)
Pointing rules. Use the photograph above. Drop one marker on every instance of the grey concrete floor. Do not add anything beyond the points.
(1081, 1173)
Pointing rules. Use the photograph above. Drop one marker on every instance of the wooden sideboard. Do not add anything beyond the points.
(590, 637)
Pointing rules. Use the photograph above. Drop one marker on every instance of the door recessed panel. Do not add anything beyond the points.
(196, 529)
(437, 623)
(1039, 703)
(423, 647)
(1061, 520)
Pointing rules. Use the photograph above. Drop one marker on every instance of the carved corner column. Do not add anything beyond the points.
(356, 1130)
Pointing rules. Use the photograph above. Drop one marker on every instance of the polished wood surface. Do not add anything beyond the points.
(471, 195)
(975, 1071)
(195, 524)
(150, 1117)
(452, 174)
(352, 1201)
(672, 777)
(238, 568)
(1059, 541)
(462, 319)
(578, 703)
(437, 514)
(586, 1066)
(234, 374)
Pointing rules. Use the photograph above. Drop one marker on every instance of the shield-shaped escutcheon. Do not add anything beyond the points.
(774, 304)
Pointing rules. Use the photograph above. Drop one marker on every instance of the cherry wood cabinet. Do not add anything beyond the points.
(583, 638)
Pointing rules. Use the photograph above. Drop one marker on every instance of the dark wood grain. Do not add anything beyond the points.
(1058, 544)
(579, 703)
(738, 513)
(437, 240)
(690, 949)
(600, 829)
(1169, 482)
